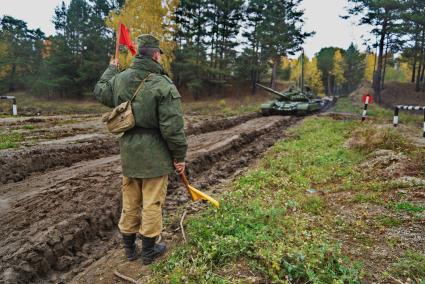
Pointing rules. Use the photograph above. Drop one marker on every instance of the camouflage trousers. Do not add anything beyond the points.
(142, 201)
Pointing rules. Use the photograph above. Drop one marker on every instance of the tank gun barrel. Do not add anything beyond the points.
(270, 90)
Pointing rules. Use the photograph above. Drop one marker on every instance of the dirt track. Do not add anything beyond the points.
(54, 224)
(17, 164)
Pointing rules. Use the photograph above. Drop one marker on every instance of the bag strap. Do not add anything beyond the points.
(140, 87)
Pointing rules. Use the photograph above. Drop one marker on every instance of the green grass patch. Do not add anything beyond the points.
(408, 207)
(376, 112)
(29, 127)
(269, 220)
(369, 137)
(372, 197)
(10, 140)
(29, 103)
(388, 221)
(313, 204)
(410, 265)
(224, 107)
(344, 104)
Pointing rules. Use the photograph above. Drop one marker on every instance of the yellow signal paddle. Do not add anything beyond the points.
(196, 194)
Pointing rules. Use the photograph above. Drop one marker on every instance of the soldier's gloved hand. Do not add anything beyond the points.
(180, 167)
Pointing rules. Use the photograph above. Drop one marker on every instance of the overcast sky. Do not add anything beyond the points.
(321, 16)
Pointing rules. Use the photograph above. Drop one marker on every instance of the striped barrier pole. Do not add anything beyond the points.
(395, 120)
(14, 106)
(366, 103)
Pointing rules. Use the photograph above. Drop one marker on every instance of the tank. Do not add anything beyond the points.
(293, 101)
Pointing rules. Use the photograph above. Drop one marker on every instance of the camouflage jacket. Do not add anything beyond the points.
(147, 150)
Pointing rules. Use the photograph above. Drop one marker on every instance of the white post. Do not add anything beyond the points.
(14, 108)
(395, 120)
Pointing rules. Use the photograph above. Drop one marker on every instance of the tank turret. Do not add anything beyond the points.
(292, 101)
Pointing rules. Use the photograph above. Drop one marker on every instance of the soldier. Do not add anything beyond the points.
(149, 150)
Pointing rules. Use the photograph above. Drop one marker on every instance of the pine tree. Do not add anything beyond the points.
(21, 53)
(190, 67)
(224, 18)
(354, 63)
(414, 27)
(79, 51)
(383, 16)
(253, 63)
(325, 63)
(97, 44)
(281, 31)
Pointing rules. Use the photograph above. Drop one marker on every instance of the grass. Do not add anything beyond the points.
(408, 207)
(370, 197)
(231, 106)
(269, 221)
(29, 127)
(376, 112)
(10, 140)
(225, 107)
(388, 221)
(411, 265)
(370, 137)
(28, 103)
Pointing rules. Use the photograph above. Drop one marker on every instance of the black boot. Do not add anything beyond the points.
(151, 250)
(130, 246)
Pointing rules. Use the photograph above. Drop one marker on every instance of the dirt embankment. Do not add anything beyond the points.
(394, 93)
(56, 224)
(17, 164)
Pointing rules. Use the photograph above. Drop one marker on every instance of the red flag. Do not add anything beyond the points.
(125, 39)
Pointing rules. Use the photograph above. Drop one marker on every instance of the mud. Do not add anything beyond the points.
(17, 164)
(57, 223)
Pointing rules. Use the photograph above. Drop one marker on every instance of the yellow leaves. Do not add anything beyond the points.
(370, 64)
(5, 68)
(154, 17)
(338, 68)
(312, 74)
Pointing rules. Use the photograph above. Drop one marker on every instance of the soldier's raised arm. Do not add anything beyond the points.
(103, 90)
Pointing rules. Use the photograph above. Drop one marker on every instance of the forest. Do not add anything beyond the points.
(211, 45)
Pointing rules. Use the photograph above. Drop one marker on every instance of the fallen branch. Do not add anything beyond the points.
(396, 280)
(181, 225)
(129, 279)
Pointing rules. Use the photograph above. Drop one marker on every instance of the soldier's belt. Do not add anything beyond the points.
(142, 130)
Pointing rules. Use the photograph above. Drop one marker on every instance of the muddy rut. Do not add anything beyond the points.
(15, 165)
(54, 224)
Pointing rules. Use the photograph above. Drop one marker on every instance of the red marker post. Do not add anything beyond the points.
(367, 99)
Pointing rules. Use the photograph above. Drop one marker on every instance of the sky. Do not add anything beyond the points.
(322, 16)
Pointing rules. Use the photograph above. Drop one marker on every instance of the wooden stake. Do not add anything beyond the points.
(129, 279)
(182, 227)
(117, 44)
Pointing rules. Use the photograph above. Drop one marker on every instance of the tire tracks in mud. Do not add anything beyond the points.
(56, 224)
(17, 164)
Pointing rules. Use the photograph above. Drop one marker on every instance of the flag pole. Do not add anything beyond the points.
(117, 45)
